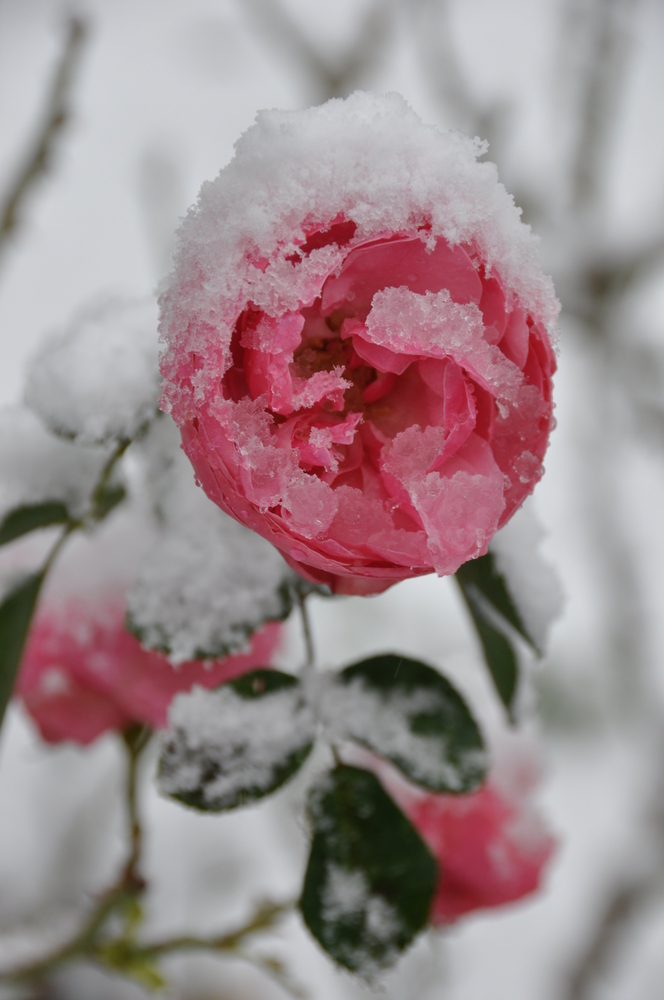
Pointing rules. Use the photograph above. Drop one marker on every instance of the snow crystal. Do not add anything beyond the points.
(357, 710)
(532, 582)
(223, 744)
(99, 380)
(208, 582)
(347, 897)
(432, 325)
(37, 467)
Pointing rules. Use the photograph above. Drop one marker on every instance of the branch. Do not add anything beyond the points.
(276, 25)
(626, 903)
(58, 113)
(603, 82)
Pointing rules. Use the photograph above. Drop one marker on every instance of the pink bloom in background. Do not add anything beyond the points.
(491, 847)
(83, 673)
(358, 344)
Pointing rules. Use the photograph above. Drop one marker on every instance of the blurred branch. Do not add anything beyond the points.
(604, 80)
(277, 26)
(629, 898)
(440, 63)
(58, 113)
(626, 903)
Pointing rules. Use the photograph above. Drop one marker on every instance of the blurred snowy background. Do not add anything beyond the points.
(570, 95)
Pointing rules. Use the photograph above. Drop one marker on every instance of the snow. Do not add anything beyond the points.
(98, 380)
(295, 171)
(357, 711)
(531, 580)
(208, 582)
(36, 467)
(347, 895)
(224, 744)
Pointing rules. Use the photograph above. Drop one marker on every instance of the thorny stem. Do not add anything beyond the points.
(307, 632)
(57, 115)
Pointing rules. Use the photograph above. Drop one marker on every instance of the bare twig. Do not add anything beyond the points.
(623, 906)
(58, 113)
(275, 24)
(604, 78)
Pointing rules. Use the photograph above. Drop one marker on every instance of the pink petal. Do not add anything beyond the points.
(404, 261)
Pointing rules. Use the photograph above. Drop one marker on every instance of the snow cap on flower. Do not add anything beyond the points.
(357, 343)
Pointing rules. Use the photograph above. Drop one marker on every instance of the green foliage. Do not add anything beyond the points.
(231, 769)
(16, 612)
(370, 878)
(22, 520)
(493, 612)
(416, 719)
(107, 498)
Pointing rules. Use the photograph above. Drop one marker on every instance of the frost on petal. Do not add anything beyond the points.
(99, 380)
(533, 583)
(459, 506)
(433, 325)
(37, 467)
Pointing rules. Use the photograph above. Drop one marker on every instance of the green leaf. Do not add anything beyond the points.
(229, 747)
(481, 575)
(494, 613)
(407, 712)
(107, 498)
(25, 519)
(370, 878)
(16, 612)
(501, 658)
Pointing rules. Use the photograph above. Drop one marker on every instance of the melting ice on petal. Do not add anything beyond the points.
(99, 380)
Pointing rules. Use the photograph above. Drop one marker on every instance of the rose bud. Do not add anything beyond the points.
(83, 674)
(492, 846)
(357, 343)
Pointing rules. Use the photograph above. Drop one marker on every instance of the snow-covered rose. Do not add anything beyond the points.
(83, 674)
(358, 346)
(492, 846)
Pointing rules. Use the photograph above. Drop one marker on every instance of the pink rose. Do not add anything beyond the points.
(358, 351)
(491, 847)
(83, 673)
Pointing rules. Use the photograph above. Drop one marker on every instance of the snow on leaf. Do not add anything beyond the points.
(98, 381)
(228, 747)
(407, 712)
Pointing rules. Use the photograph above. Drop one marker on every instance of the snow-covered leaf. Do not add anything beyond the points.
(407, 712)
(39, 470)
(482, 575)
(228, 747)
(98, 381)
(22, 520)
(370, 877)
(492, 608)
(16, 612)
(207, 585)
